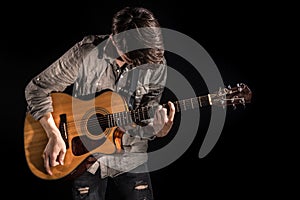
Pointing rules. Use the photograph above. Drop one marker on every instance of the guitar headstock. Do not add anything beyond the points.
(240, 94)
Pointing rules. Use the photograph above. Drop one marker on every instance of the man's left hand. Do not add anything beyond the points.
(162, 121)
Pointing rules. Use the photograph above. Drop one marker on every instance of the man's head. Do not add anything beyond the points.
(134, 18)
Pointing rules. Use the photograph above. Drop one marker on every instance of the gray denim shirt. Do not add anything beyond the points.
(89, 67)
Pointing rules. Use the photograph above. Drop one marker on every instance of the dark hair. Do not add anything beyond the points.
(138, 17)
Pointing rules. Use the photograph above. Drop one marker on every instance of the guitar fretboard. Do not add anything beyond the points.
(144, 113)
(192, 103)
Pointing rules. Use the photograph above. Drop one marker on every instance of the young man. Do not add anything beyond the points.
(129, 61)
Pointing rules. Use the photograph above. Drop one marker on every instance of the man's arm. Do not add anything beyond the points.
(55, 149)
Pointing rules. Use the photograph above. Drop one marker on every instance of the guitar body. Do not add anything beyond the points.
(79, 123)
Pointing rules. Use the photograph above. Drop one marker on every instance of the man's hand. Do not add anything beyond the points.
(55, 150)
(162, 121)
(54, 153)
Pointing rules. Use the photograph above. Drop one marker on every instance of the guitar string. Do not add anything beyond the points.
(139, 113)
(104, 119)
(186, 104)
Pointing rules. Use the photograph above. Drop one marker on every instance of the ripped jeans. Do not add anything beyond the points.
(126, 186)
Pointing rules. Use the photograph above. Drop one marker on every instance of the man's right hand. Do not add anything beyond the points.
(55, 150)
(54, 153)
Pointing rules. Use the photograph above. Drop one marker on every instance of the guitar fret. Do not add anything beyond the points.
(129, 120)
(123, 117)
(195, 102)
(199, 101)
(177, 106)
(129, 117)
(183, 103)
(108, 121)
(119, 119)
(114, 120)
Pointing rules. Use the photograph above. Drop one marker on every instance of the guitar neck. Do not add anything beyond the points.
(144, 113)
(191, 103)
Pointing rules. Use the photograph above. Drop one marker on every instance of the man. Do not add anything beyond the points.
(131, 62)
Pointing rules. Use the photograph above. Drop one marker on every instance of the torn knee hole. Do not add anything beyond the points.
(141, 187)
(83, 190)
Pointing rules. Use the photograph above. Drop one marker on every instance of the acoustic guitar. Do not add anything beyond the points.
(92, 126)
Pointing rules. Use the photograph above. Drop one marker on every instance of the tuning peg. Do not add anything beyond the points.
(238, 85)
(234, 106)
(242, 101)
(223, 103)
(220, 91)
(229, 87)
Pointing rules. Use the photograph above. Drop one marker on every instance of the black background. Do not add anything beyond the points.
(235, 35)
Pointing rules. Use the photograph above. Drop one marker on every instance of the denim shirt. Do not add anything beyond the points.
(89, 67)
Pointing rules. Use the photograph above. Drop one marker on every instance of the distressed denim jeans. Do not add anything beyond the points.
(126, 186)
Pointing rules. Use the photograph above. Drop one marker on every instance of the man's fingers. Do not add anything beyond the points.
(61, 158)
(171, 112)
(162, 113)
(53, 161)
(164, 120)
(47, 163)
(158, 114)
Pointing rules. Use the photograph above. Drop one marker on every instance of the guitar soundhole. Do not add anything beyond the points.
(96, 124)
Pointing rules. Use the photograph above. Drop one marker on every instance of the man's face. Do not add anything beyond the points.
(123, 57)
